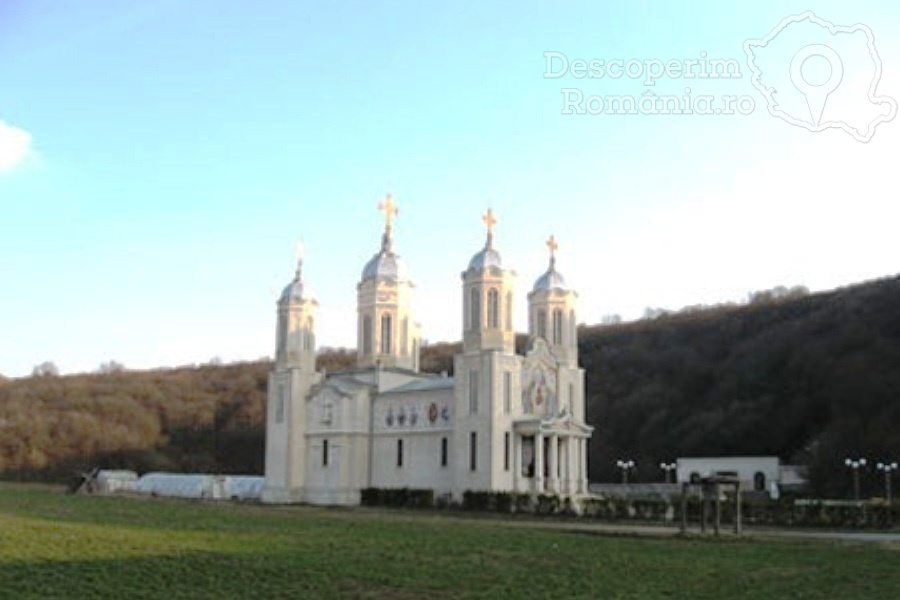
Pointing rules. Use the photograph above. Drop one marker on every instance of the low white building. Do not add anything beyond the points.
(109, 481)
(200, 486)
(757, 473)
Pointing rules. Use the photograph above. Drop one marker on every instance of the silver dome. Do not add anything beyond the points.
(551, 280)
(487, 257)
(385, 265)
(293, 292)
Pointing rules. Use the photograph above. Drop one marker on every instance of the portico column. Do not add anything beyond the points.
(553, 480)
(517, 460)
(539, 462)
(582, 487)
(567, 465)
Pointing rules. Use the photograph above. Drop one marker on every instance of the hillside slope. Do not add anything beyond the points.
(813, 379)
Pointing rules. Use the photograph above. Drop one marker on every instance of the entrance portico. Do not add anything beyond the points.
(550, 456)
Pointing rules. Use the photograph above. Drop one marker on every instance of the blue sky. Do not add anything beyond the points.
(159, 160)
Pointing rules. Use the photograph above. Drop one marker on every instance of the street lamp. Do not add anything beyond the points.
(888, 468)
(668, 468)
(625, 465)
(856, 465)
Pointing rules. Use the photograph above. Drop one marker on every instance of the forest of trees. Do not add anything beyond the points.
(810, 378)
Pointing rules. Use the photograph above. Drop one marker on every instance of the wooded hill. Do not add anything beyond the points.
(812, 379)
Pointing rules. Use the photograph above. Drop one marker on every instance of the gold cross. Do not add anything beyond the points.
(551, 243)
(489, 220)
(389, 209)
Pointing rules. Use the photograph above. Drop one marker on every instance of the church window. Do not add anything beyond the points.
(367, 335)
(507, 392)
(387, 329)
(404, 340)
(506, 451)
(444, 452)
(542, 324)
(557, 326)
(573, 337)
(279, 405)
(399, 453)
(508, 311)
(571, 397)
(493, 308)
(473, 392)
(474, 309)
(324, 453)
(473, 451)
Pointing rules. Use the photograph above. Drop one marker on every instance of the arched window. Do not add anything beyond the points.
(367, 335)
(493, 299)
(508, 311)
(759, 481)
(542, 324)
(474, 309)
(573, 331)
(557, 326)
(387, 331)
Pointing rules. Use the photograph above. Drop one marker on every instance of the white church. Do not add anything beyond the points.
(503, 422)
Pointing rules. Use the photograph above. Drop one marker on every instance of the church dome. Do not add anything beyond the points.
(295, 291)
(487, 258)
(551, 280)
(385, 265)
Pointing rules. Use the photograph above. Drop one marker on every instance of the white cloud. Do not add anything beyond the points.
(15, 146)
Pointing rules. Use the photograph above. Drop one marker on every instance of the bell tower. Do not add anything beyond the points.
(488, 299)
(551, 312)
(387, 335)
(487, 373)
(293, 375)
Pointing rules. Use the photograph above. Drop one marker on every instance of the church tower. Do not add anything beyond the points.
(487, 373)
(551, 312)
(386, 333)
(292, 377)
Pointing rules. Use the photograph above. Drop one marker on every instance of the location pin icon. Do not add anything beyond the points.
(816, 95)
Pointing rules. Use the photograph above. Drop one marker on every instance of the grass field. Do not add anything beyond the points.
(59, 546)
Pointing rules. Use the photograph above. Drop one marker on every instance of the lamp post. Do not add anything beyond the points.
(625, 465)
(888, 468)
(668, 468)
(855, 465)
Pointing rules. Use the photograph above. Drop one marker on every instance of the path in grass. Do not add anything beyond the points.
(57, 546)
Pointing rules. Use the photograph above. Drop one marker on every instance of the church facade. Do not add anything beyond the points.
(502, 422)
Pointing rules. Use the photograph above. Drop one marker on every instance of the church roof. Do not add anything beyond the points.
(424, 385)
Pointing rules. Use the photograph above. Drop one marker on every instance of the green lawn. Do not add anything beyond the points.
(59, 546)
